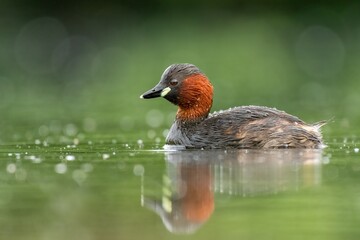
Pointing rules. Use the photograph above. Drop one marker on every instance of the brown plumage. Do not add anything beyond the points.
(241, 127)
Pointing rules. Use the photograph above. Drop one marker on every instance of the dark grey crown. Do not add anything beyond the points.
(179, 71)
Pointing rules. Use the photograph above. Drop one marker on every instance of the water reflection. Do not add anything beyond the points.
(192, 178)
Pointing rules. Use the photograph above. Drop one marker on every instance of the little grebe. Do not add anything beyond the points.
(241, 127)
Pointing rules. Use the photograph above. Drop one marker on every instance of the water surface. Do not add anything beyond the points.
(111, 190)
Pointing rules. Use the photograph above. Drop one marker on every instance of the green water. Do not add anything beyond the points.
(81, 155)
(107, 189)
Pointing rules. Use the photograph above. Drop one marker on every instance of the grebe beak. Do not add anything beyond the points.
(158, 91)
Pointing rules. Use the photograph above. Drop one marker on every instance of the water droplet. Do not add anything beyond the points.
(140, 142)
(11, 168)
(138, 170)
(60, 168)
(33, 158)
(70, 129)
(37, 160)
(356, 150)
(70, 157)
(105, 156)
(326, 159)
(37, 141)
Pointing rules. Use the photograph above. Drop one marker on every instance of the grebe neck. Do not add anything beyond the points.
(195, 98)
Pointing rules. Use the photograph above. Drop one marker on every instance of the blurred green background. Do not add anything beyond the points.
(86, 63)
(76, 141)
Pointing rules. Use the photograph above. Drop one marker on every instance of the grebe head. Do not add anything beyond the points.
(187, 87)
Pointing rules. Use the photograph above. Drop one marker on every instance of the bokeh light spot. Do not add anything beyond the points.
(60, 168)
(36, 43)
(139, 170)
(320, 52)
(154, 118)
(11, 168)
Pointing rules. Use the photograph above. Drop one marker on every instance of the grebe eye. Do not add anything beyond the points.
(173, 82)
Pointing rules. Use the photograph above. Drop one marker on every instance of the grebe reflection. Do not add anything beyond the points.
(193, 178)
